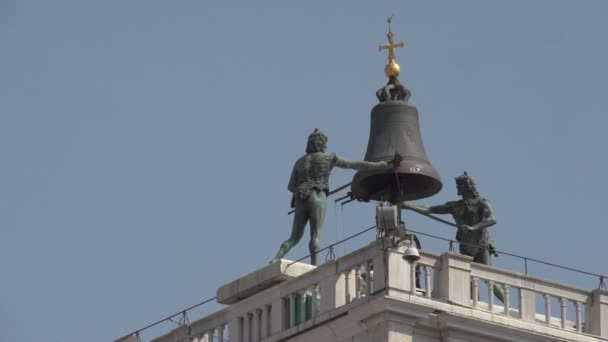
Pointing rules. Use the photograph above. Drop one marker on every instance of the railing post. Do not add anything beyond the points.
(220, 333)
(413, 278)
(256, 326)
(277, 316)
(454, 278)
(265, 321)
(563, 304)
(348, 286)
(547, 309)
(491, 295)
(235, 330)
(303, 306)
(598, 320)
(357, 282)
(475, 284)
(579, 316)
(507, 299)
(368, 277)
(315, 300)
(427, 282)
(246, 327)
(332, 288)
(527, 302)
(292, 310)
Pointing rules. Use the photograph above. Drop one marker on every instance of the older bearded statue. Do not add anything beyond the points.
(309, 183)
(473, 215)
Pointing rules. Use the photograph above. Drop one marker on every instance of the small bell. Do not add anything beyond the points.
(411, 253)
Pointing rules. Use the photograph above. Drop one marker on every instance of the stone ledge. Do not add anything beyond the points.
(260, 280)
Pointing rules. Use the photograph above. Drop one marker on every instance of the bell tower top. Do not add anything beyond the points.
(392, 69)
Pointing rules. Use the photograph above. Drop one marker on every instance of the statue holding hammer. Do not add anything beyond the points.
(309, 183)
(473, 215)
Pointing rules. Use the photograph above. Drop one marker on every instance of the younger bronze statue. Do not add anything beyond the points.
(473, 215)
(309, 184)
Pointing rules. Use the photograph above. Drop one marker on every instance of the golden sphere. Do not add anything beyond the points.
(392, 69)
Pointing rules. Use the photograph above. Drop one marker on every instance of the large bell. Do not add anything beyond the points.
(395, 129)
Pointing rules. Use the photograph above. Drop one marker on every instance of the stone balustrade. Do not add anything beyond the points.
(377, 270)
(530, 291)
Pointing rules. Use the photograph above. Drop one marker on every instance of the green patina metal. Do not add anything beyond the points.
(473, 215)
(308, 302)
(309, 183)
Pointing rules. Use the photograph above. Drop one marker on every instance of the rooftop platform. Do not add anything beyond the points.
(373, 294)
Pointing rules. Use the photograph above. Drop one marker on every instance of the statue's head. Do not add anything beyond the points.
(317, 142)
(466, 186)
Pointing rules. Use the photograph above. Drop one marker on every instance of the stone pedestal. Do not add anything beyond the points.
(258, 281)
(599, 313)
(454, 279)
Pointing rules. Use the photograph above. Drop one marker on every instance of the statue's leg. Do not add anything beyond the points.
(499, 293)
(317, 203)
(297, 231)
(484, 257)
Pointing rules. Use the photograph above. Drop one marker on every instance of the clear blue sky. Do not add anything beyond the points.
(145, 146)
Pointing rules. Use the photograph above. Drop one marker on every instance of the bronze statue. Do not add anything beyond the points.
(473, 215)
(309, 184)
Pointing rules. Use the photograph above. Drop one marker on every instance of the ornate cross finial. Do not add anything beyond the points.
(393, 90)
(392, 69)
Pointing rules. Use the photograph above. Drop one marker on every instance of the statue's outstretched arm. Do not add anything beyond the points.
(488, 219)
(427, 209)
(441, 209)
(359, 165)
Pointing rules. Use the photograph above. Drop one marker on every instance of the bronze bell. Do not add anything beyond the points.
(395, 129)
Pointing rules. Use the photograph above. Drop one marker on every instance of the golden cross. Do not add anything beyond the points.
(391, 45)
